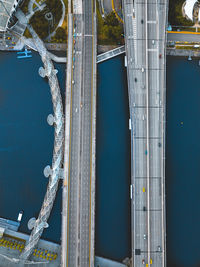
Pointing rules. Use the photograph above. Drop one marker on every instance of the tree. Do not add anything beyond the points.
(111, 19)
(60, 34)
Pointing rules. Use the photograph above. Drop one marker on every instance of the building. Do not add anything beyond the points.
(189, 8)
(7, 8)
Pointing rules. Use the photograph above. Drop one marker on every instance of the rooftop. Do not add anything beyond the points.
(189, 6)
(6, 9)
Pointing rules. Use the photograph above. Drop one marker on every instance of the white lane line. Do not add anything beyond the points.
(147, 129)
(152, 50)
(152, 21)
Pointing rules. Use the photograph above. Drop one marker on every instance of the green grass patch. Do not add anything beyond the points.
(40, 23)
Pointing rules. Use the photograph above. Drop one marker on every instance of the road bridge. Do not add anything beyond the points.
(80, 134)
(145, 39)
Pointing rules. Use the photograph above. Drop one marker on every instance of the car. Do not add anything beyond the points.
(159, 248)
(145, 236)
(142, 69)
(143, 261)
(142, 21)
(160, 55)
(153, 42)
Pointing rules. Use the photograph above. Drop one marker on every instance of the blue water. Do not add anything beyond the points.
(113, 162)
(183, 163)
(26, 141)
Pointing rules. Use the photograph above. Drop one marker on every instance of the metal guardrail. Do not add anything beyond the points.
(110, 54)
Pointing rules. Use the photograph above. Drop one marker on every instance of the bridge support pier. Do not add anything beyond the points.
(48, 172)
(50, 119)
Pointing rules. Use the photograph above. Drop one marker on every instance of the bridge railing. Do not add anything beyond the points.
(110, 54)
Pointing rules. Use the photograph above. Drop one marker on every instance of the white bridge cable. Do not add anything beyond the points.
(57, 160)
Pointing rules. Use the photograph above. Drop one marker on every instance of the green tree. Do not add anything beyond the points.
(111, 19)
(60, 34)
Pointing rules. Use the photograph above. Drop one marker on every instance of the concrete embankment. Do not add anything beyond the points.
(105, 48)
(182, 52)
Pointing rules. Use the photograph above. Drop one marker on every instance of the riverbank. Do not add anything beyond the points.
(60, 47)
(182, 52)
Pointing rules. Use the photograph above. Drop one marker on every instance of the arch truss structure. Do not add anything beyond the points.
(57, 161)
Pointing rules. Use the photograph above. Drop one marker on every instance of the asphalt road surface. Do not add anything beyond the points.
(79, 247)
(145, 40)
(182, 37)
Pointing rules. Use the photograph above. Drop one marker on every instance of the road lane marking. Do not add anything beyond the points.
(152, 50)
(152, 21)
(183, 32)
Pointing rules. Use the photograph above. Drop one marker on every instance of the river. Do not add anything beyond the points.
(26, 140)
(183, 162)
(113, 162)
(26, 143)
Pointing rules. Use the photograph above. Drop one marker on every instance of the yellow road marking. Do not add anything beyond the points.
(91, 136)
(117, 16)
(183, 32)
(70, 145)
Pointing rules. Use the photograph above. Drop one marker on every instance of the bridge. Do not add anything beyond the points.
(80, 134)
(57, 160)
(145, 38)
(145, 50)
(110, 54)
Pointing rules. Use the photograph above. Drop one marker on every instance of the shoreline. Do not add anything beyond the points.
(182, 52)
(61, 49)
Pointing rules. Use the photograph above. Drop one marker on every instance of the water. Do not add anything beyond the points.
(26, 144)
(183, 163)
(26, 141)
(113, 162)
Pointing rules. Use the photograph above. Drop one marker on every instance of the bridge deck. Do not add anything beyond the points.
(145, 42)
(79, 184)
